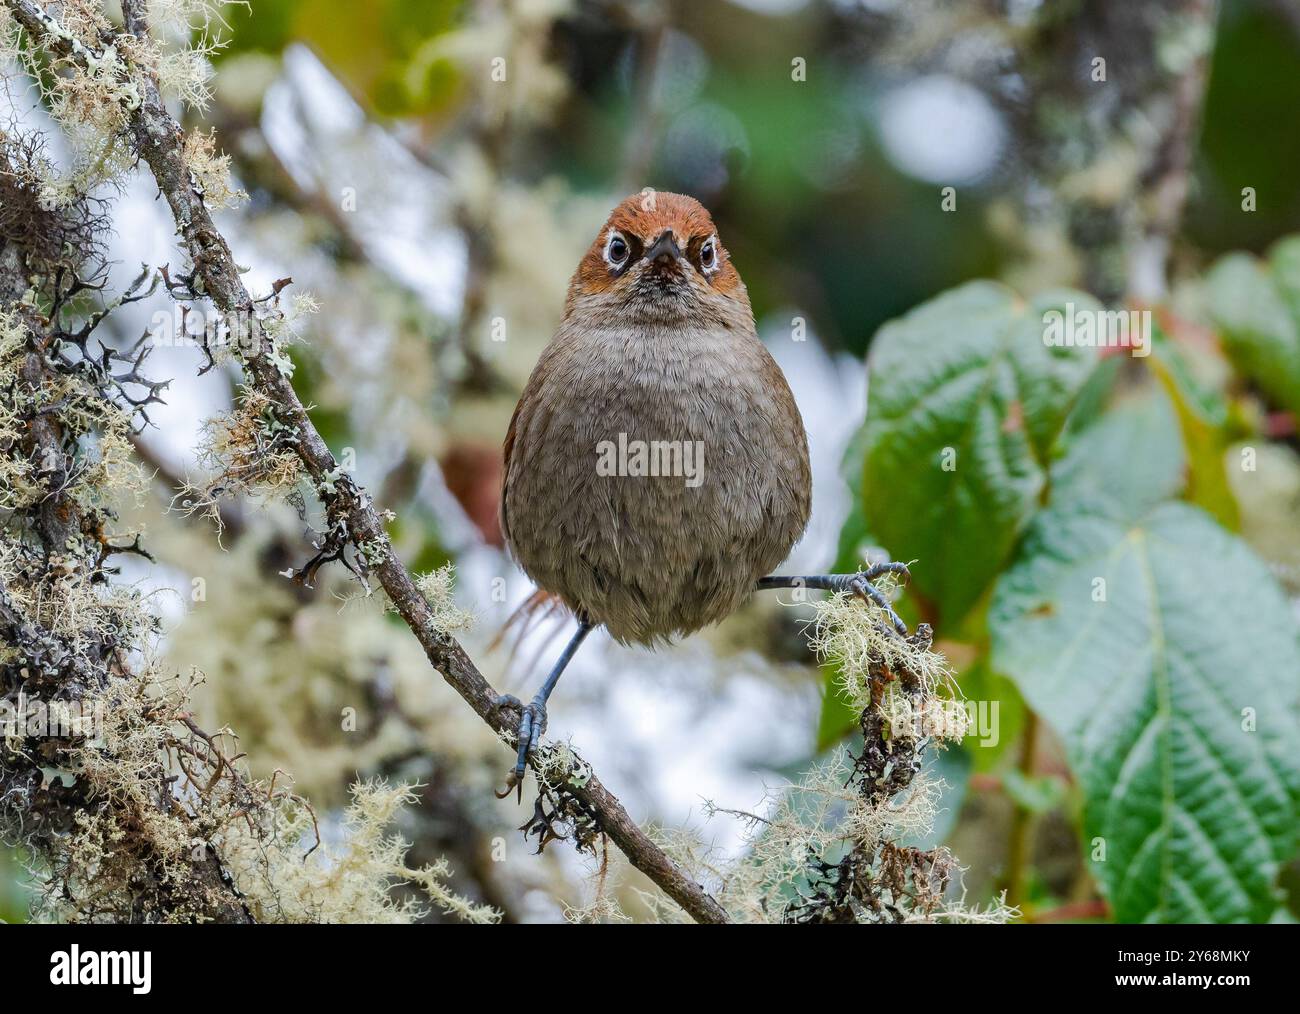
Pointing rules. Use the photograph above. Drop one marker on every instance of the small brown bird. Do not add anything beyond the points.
(656, 468)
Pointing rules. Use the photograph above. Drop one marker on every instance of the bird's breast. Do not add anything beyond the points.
(654, 476)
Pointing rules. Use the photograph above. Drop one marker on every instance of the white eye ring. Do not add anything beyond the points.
(617, 249)
(710, 263)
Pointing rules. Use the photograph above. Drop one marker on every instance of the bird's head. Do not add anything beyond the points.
(658, 259)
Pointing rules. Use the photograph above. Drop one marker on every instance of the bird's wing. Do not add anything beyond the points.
(507, 450)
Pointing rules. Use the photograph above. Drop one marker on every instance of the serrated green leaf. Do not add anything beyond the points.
(1149, 689)
(966, 400)
(1256, 306)
(1203, 424)
(1132, 455)
(1094, 396)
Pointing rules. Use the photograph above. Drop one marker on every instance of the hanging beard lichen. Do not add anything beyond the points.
(831, 847)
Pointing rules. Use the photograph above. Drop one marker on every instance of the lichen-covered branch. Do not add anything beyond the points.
(355, 527)
(64, 645)
(832, 846)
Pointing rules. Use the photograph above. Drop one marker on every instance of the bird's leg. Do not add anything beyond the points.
(532, 721)
(857, 584)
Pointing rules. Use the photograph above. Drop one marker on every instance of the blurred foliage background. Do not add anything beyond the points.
(432, 171)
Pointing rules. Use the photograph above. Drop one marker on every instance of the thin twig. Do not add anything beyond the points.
(1020, 834)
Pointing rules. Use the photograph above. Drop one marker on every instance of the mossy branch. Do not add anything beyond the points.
(157, 139)
(205, 891)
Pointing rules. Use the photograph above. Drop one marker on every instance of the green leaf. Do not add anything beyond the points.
(1094, 396)
(855, 539)
(997, 712)
(1153, 690)
(1256, 306)
(1039, 794)
(966, 400)
(380, 50)
(837, 718)
(1207, 441)
(1132, 456)
(1266, 485)
(1204, 426)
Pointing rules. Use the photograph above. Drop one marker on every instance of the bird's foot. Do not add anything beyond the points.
(532, 723)
(859, 584)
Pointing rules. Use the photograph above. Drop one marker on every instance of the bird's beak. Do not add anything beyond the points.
(664, 250)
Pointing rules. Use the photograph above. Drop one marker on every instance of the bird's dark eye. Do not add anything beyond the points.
(616, 250)
(708, 255)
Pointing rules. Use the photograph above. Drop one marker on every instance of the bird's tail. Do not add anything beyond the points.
(540, 606)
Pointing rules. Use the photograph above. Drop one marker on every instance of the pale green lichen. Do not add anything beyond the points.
(328, 482)
(92, 87)
(559, 766)
(438, 589)
(348, 881)
(245, 452)
(264, 833)
(374, 551)
(211, 171)
(912, 717)
(853, 636)
(19, 484)
(318, 686)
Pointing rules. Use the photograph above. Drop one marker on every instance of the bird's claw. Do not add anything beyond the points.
(532, 723)
(511, 785)
(860, 585)
(531, 726)
(508, 702)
